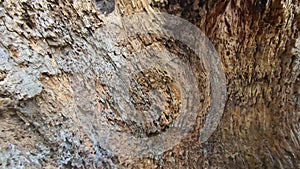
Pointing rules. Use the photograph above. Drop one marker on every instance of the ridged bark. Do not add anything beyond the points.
(44, 43)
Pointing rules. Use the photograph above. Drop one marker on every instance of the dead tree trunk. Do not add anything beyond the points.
(59, 66)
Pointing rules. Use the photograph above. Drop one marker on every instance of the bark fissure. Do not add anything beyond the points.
(54, 52)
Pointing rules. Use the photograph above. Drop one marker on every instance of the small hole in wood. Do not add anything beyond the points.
(105, 6)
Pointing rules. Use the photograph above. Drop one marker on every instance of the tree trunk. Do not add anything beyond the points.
(64, 67)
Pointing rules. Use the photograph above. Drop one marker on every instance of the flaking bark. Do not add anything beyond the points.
(43, 44)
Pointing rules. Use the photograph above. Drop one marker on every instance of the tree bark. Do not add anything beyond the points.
(57, 72)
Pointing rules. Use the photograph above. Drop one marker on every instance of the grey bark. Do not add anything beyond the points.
(54, 54)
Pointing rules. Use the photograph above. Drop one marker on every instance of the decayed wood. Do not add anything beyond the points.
(44, 43)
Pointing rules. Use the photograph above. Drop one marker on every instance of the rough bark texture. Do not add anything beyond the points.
(44, 43)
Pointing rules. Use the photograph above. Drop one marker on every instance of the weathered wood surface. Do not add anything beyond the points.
(53, 54)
